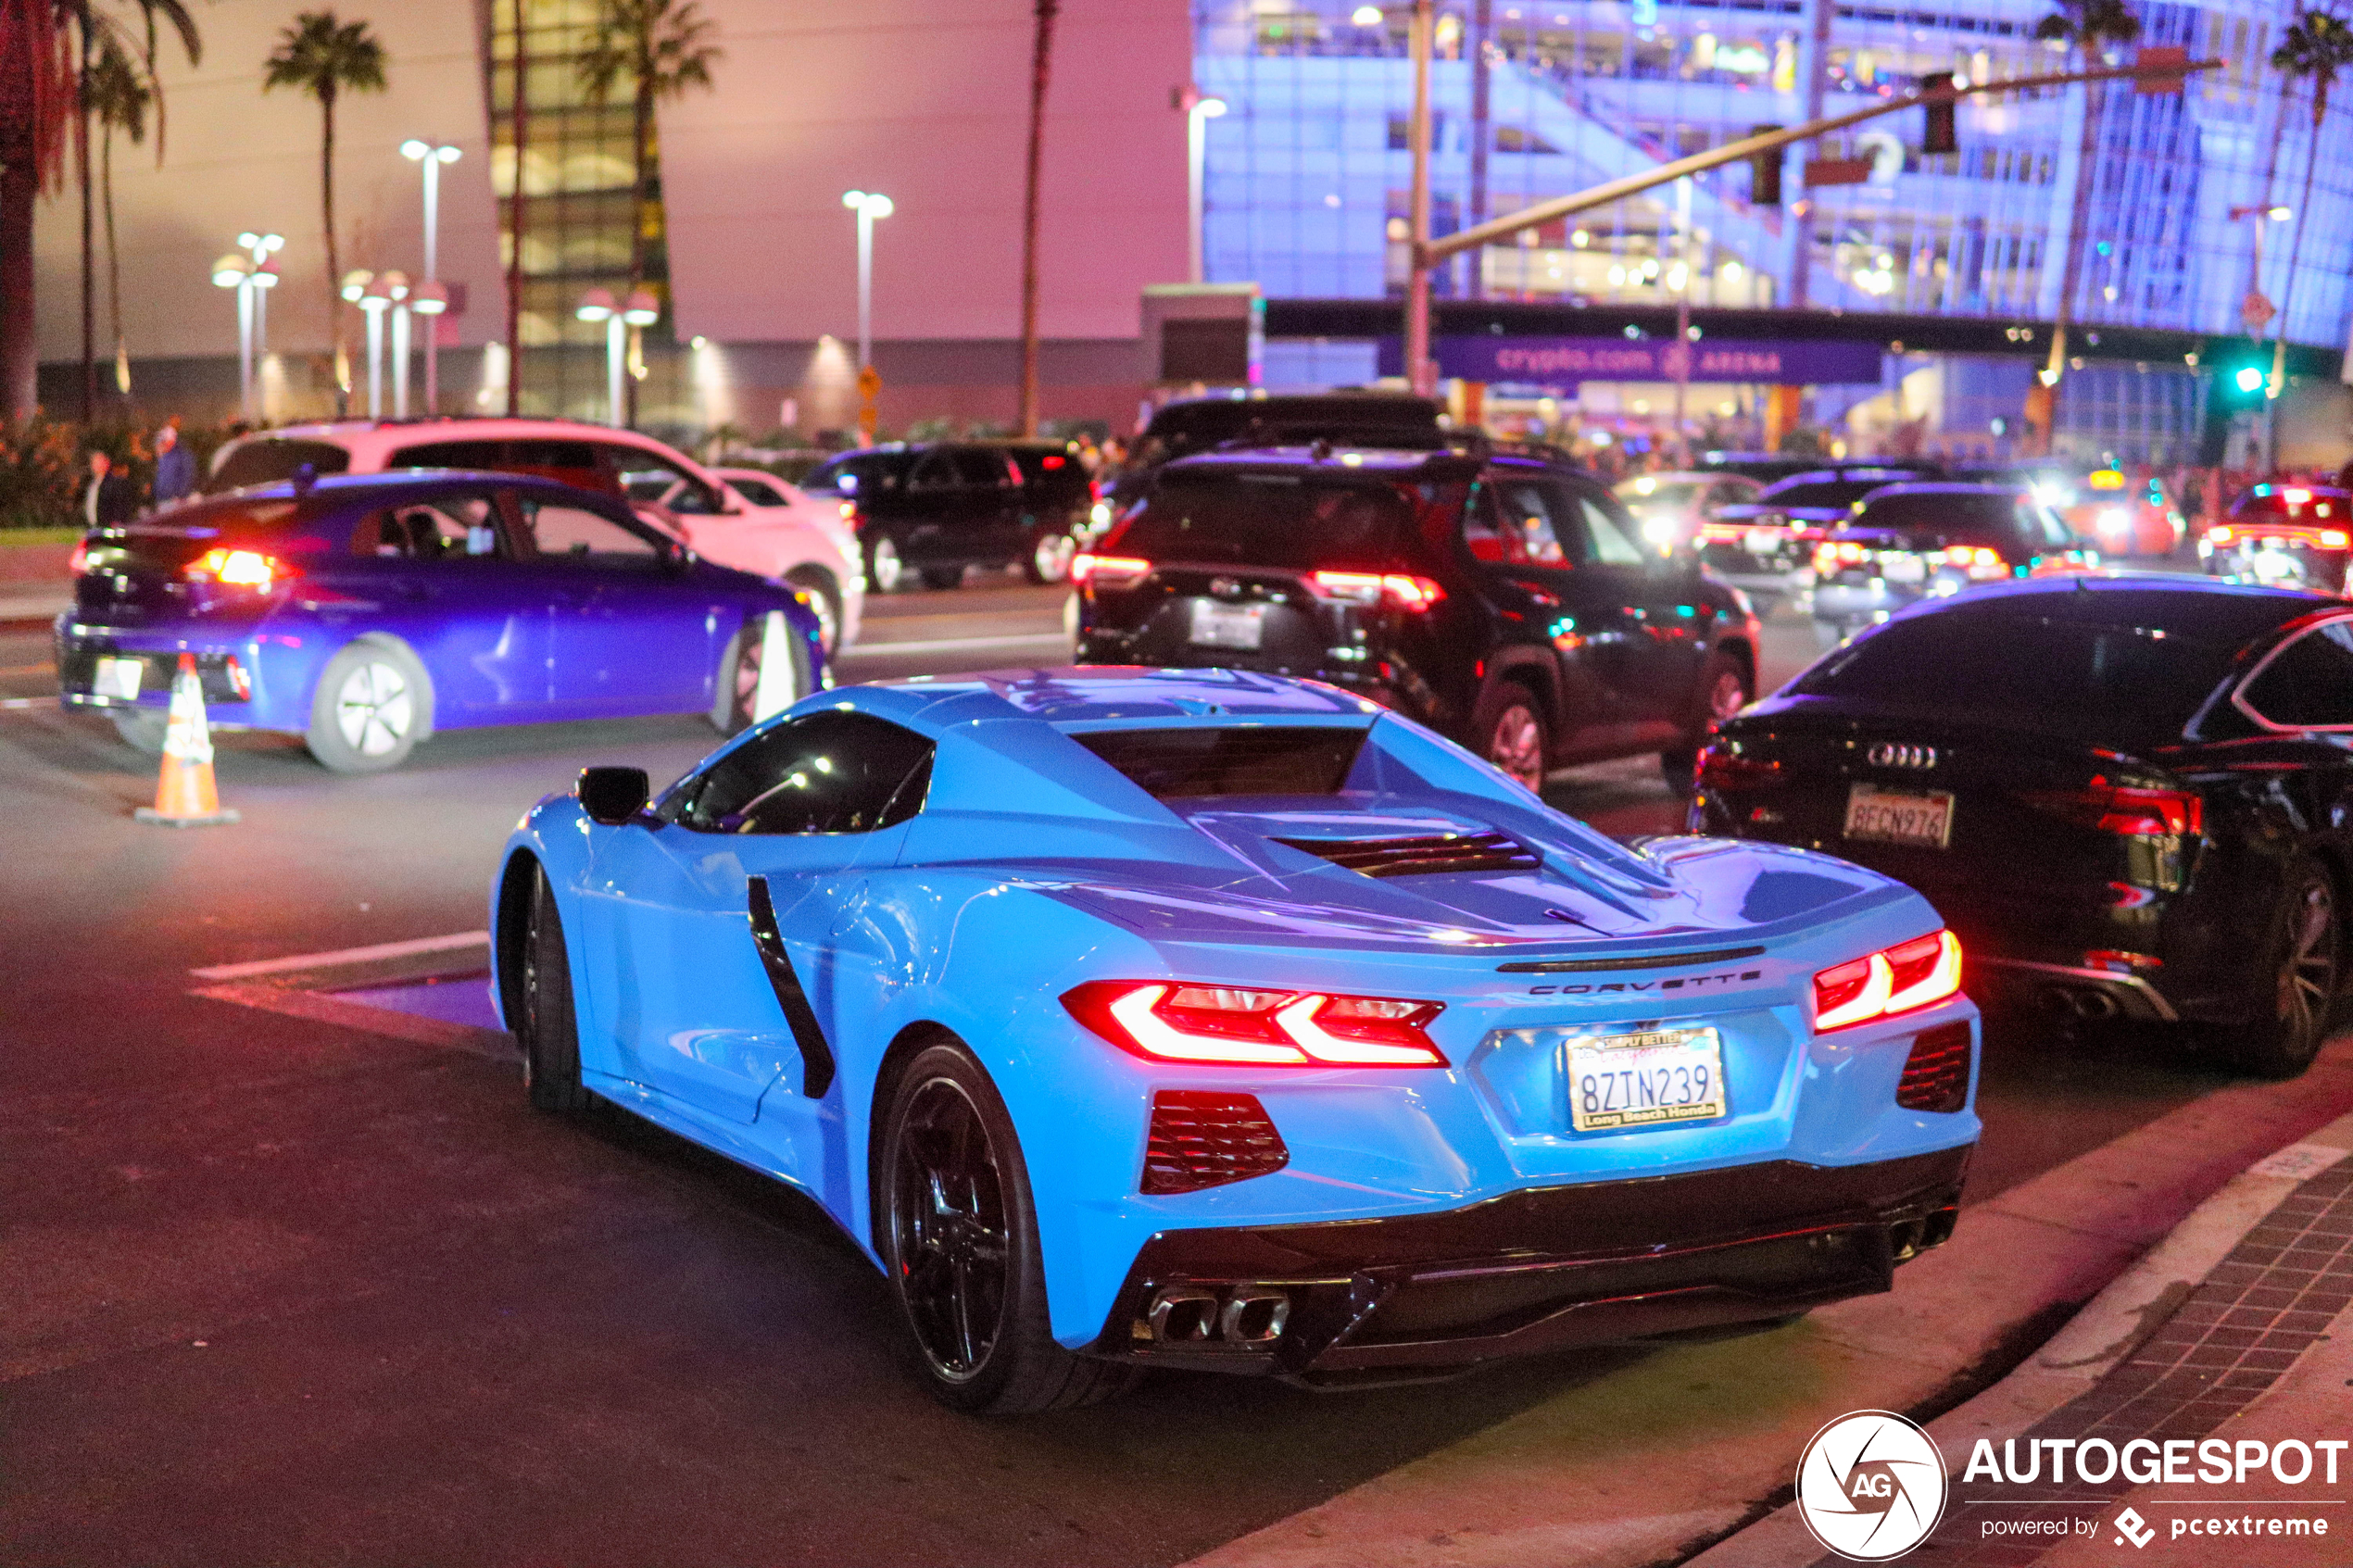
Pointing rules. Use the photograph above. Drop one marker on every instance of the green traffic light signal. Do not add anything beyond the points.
(2250, 379)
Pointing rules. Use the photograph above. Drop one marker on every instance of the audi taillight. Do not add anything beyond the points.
(1722, 766)
(1232, 1026)
(2130, 813)
(1373, 587)
(1109, 571)
(238, 568)
(1900, 979)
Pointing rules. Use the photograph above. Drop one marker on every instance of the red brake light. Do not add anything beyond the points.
(1371, 587)
(79, 562)
(1163, 1021)
(2114, 809)
(1112, 572)
(1900, 979)
(1722, 767)
(1053, 460)
(238, 568)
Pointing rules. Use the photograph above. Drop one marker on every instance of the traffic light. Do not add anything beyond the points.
(1764, 171)
(1942, 133)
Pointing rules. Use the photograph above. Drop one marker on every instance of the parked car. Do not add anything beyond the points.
(2120, 516)
(1206, 1020)
(1771, 468)
(1507, 601)
(366, 613)
(1188, 425)
(804, 545)
(1764, 540)
(1674, 508)
(1931, 540)
(2295, 535)
(2128, 794)
(932, 511)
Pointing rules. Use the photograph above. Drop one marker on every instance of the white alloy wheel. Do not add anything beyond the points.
(374, 709)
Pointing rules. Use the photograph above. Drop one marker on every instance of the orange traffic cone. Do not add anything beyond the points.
(185, 794)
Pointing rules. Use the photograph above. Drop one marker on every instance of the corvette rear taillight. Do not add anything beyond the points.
(2109, 808)
(1107, 572)
(1904, 978)
(1372, 587)
(1245, 1026)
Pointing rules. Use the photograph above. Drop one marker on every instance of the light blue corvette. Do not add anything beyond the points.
(1193, 1018)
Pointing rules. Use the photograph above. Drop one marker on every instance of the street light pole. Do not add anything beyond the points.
(396, 285)
(597, 304)
(869, 206)
(2258, 313)
(432, 155)
(1199, 109)
(1420, 372)
(373, 301)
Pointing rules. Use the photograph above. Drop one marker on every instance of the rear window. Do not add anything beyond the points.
(1953, 518)
(2140, 683)
(871, 471)
(268, 461)
(1257, 760)
(1821, 492)
(1278, 520)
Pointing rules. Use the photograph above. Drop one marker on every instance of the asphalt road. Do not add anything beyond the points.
(276, 1291)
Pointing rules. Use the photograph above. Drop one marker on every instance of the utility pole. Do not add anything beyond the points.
(1420, 372)
(515, 225)
(1482, 133)
(1801, 260)
(1041, 60)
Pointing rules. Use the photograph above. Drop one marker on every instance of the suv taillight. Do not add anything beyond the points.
(1373, 587)
(1087, 569)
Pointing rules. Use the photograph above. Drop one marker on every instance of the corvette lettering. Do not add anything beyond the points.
(1686, 982)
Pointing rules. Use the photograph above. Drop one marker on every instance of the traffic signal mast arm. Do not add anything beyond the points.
(1742, 151)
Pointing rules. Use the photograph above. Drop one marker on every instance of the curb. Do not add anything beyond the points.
(2093, 1342)
(1651, 1461)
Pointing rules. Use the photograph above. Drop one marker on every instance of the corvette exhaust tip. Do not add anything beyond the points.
(1243, 1315)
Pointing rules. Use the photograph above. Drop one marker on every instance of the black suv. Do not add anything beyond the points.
(932, 510)
(1189, 425)
(1505, 600)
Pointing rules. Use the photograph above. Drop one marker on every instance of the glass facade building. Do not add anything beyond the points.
(1306, 174)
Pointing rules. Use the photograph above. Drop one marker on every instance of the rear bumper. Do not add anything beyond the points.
(227, 671)
(1545, 1269)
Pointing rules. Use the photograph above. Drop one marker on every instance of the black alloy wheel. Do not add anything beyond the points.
(549, 1030)
(959, 1241)
(2304, 950)
(1724, 691)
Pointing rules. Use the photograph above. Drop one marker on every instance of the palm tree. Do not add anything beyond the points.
(36, 109)
(325, 57)
(95, 28)
(659, 48)
(1041, 60)
(2090, 28)
(2314, 48)
(119, 96)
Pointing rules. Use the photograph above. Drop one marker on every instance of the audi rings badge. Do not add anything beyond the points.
(1897, 754)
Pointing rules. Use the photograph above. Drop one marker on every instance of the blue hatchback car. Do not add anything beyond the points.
(1196, 1018)
(365, 612)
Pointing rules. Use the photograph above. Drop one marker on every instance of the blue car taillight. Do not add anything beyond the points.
(1895, 980)
(1241, 1026)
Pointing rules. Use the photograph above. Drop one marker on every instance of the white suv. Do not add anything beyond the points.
(796, 540)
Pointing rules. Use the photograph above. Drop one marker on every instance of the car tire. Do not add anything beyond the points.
(1723, 692)
(885, 571)
(2304, 955)
(943, 576)
(142, 729)
(824, 602)
(958, 1237)
(373, 705)
(1509, 730)
(549, 1030)
(736, 687)
(1048, 557)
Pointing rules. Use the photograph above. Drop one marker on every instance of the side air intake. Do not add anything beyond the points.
(1423, 857)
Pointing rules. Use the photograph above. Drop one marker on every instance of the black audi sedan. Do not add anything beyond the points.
(2129, 795)
(1506, 600)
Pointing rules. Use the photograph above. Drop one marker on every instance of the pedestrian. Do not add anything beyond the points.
(175, 465)
(106, 501)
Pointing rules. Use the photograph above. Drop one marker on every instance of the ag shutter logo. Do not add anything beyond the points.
(2131, 1526)
(1870, 1486)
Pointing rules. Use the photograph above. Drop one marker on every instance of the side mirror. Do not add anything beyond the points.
(614, 796)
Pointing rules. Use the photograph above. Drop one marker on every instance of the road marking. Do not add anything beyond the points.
(345, 955)
(40, 668)
(958, 645)
(14, 702)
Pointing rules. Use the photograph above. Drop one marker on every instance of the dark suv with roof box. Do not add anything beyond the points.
(1507, 601)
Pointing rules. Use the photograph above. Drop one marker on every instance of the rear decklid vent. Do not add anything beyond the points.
(1423, 856)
